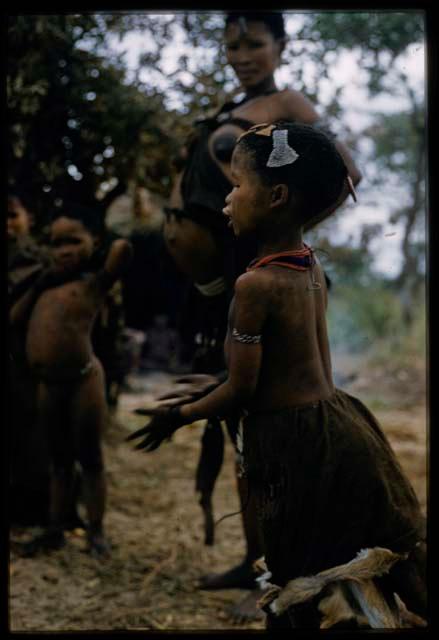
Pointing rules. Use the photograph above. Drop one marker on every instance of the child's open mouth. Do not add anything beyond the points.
(226, 212)
(65, 265)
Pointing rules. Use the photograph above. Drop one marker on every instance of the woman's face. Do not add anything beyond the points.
(252, 52)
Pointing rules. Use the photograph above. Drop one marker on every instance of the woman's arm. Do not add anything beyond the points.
(300, 109)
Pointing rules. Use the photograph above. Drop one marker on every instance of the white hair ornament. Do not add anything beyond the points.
(282, 153)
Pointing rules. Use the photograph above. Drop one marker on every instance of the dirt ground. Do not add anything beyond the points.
(155, 524)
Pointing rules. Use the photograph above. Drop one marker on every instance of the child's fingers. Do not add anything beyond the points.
(149, 444)
(194, 378)
(185, 379)
(176, 402)
(140, 445)
(152, 411)
(171, 395)
(137, 434)
(153, 446)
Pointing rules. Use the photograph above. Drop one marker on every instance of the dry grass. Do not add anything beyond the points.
(155, 525)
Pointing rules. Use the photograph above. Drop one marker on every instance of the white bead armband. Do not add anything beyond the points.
(245, 338)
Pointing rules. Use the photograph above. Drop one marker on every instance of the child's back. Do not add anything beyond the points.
(294, 331)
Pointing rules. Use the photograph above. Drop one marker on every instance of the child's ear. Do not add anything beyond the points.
(96, 242)
(279, 195)
(282, 42)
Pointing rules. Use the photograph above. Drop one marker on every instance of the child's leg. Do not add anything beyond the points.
(53, 416)
(61, 492)
(90, 415)
(54, 410)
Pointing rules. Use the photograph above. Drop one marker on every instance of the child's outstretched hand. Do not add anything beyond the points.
(190, 387)
(164, 423)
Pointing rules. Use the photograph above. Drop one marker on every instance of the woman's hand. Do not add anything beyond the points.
(165, 421)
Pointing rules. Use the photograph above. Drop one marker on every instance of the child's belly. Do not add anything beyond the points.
(58, 338)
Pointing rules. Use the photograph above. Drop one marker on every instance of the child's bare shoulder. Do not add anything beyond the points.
(255, 284)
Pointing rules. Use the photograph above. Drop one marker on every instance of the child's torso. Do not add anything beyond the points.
(58, 336)
(296, 364)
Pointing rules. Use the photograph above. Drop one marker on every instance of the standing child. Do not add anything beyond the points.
(60, 309)
(326, 482)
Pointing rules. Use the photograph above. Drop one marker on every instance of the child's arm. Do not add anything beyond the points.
(118, 258)
(250, 314)
(189, 387)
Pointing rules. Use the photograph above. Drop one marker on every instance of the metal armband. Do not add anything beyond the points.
(245, 338)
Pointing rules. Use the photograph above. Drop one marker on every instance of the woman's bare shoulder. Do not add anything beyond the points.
(296, 106)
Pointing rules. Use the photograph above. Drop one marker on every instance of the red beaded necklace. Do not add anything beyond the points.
(299, 259)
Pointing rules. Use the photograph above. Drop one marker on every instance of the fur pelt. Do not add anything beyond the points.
(347, 592)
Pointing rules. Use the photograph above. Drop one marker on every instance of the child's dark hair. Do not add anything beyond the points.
(316, 178)
(91, 218)
(273, 20)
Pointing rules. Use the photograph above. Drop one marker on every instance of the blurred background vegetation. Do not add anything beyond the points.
(84, 125)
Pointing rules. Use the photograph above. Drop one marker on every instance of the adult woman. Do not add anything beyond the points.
(202, 245)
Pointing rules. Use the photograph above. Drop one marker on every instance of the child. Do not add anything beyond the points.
(326, 481)
(59, 310)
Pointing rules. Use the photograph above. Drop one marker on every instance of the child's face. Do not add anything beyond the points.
(19, 219)
(71, 243)
(248, 202)
(254, 54)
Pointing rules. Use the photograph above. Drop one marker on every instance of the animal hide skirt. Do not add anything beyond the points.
(327, 485)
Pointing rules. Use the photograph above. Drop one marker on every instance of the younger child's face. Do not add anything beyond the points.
(19, 219)
(71, 243)
(248, 202)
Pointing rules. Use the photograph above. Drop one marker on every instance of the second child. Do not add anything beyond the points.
(59, 311)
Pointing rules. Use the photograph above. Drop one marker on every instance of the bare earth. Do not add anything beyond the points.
(155, 525)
